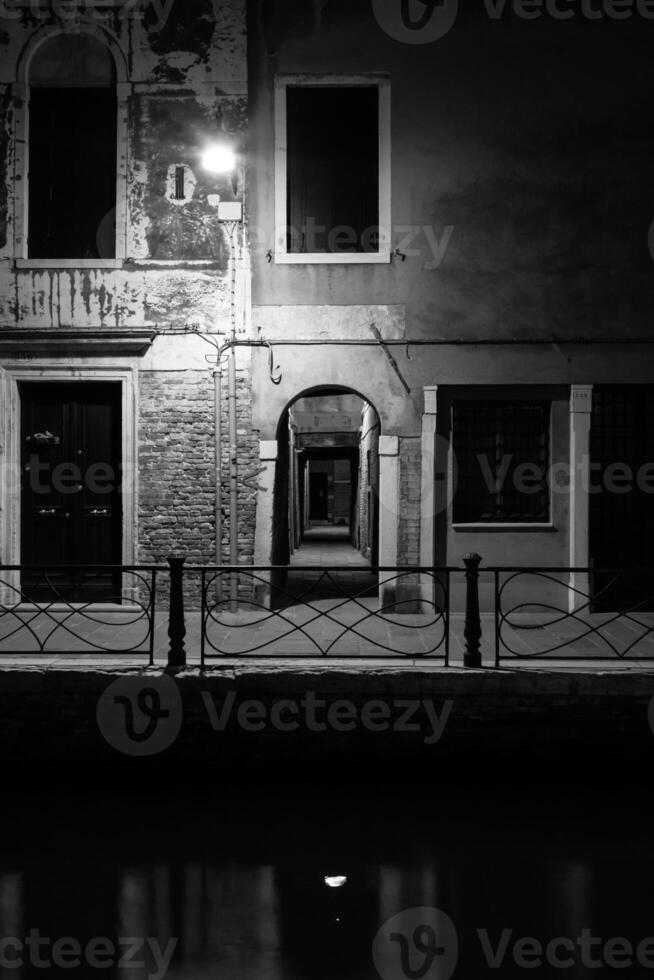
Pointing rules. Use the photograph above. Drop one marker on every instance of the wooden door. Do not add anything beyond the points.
(71, 498)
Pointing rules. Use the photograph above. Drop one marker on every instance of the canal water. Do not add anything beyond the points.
(354, 880)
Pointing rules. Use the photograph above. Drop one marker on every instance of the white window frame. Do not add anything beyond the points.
(282, 256)
(21, 93)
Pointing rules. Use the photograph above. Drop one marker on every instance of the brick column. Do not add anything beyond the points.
(581, 406)
(389, 512)
(263, 535)
(427, 489)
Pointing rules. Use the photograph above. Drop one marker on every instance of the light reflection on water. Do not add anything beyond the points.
(244, 896)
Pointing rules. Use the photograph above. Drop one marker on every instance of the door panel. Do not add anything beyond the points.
(71, 504)
(319, 497)
(622, 519)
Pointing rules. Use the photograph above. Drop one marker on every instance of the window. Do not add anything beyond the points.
(332, 170)
(502, 454)
(72, 150)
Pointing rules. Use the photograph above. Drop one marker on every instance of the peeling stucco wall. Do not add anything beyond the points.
(170, 130)
(118, 298)
(186, 86)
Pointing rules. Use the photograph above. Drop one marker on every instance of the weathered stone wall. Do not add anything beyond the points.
(573, 719)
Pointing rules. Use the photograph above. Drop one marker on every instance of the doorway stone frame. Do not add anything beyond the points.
(13, 372)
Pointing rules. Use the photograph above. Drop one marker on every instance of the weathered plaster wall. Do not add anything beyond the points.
(116, 298)
(169, 129)
(368, 481)
(186, 83)
(513, 133)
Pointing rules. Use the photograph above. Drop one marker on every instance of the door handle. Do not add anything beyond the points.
(100, 512)
(46, 512)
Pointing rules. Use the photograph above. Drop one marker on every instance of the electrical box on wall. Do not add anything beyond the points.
(230, 211)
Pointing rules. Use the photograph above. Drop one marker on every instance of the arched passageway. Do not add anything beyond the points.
(326, 500)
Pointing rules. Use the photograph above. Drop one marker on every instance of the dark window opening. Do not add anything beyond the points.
(332, 169)
(180, 183)
(72, 178)
(502, 455)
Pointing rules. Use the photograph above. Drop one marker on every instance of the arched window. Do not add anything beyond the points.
(72, 149)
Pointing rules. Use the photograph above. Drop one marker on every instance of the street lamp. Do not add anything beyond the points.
(219, 158)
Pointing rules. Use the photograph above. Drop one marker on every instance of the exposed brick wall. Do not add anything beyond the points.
(177, 472)
(408, 550)
(247, 464)
(176, 469)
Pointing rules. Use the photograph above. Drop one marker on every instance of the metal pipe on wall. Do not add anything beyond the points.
(233, 481)
(233, 442)
(217, 395)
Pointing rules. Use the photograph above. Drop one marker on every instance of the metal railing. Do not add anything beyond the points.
(526, 614)
(581, 614)
(338, 611)
(78, 609)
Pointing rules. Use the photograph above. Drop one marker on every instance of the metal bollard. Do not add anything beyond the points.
(472, 631)
(176, 619)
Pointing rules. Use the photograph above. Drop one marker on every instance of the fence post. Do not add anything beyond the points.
(176, 620)
(472, 631)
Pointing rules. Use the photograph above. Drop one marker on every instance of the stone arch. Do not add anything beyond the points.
(50, 31)
(113, 227)
(289, 485)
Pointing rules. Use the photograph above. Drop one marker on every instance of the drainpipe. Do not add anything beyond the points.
(233, 481)
(233, 444)
(217, 400)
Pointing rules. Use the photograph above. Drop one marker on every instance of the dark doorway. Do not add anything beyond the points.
(71, 500)
(319, 497)
(621, 498)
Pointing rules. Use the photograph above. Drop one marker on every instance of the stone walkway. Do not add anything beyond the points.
(325, 546)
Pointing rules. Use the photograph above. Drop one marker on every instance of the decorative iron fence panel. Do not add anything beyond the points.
(38, 617)
(564, 614)
(321, 612)
(527, 615)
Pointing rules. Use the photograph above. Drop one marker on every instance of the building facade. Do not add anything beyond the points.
(115, 267)
(451, 230)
